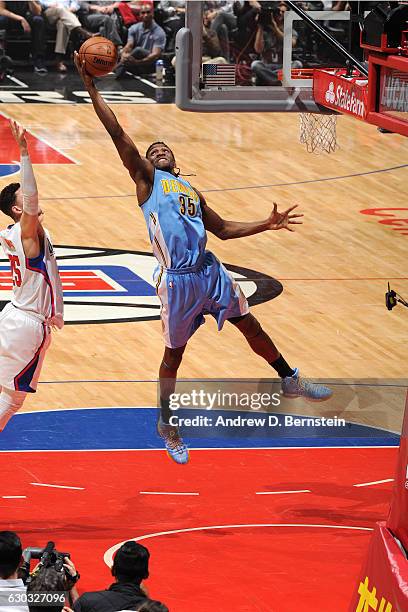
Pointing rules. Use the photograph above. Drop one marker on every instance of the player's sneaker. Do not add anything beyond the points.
(295, 386)
(176, 449)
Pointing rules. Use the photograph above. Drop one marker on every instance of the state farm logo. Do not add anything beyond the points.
(330, 97)
(398, 222)
(113, 285)
(346, 98)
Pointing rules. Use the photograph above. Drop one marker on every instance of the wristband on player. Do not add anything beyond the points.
(28, 187)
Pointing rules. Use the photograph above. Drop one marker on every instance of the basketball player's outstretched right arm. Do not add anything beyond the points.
(139, 168)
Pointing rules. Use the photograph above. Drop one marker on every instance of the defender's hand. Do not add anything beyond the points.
(283, 220)
(80, 66)
(19, 135)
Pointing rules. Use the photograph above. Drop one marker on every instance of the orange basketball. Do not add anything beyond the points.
(100, 55)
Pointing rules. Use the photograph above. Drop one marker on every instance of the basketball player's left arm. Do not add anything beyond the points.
(226, 230)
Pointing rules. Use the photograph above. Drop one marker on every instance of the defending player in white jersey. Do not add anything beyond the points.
(37, 302)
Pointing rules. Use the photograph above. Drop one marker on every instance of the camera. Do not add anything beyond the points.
(268, 10)
(48, 556)
(392, 298)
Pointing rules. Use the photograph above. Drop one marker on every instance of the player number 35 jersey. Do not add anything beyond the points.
(37, 288)
(174, 219)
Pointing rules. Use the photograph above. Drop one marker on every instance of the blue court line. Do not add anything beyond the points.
(276, 381)
(135, 428)
(247, 187)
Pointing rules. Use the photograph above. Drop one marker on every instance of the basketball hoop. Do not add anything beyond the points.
(318, 132)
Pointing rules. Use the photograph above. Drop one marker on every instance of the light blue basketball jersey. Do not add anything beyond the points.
(174, 219)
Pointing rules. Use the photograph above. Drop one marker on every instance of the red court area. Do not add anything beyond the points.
(265, 530)
(40, 151)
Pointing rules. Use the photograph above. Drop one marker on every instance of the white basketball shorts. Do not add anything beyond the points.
(24, 341)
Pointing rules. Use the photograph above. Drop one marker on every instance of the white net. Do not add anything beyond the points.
(318, 132)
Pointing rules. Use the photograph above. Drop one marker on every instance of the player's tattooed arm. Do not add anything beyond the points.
(226, 230)
(139, 168)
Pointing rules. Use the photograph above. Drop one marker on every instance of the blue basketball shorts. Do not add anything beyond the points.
(186, 295)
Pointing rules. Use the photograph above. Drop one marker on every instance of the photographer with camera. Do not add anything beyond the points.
(51, 581)
(130, 567)
(12, 588)
(269, 43)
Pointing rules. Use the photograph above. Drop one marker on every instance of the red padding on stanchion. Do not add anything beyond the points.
(346, 94)
(383, 583)
(397, 521)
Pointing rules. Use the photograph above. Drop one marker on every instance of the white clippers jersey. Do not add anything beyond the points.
(37, 288)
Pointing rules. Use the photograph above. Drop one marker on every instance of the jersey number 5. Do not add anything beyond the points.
(15, 270)
(187, 206)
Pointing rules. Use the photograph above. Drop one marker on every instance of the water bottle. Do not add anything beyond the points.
(159, 71)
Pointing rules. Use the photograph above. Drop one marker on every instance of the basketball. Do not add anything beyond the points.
(100, 55)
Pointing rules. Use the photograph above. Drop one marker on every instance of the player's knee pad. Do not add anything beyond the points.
(10, 402)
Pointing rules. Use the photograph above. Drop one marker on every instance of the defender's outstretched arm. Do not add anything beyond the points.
(31, 228)
(139, 168)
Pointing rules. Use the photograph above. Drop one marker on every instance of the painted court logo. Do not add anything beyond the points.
(9, 169)
(40, 151)
(113, 285)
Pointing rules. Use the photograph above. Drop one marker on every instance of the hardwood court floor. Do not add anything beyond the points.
(330, 320)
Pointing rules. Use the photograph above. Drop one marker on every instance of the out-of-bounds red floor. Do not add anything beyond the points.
(283, 552)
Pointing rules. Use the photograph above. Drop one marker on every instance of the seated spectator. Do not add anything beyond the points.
(96, 19)
(49, 579)
(10, 559)
(130, 567)
(146, 41)
(171, 14)
(26, 19)
(212, 52)
(223, 21)
(269, 44)
(60, 13)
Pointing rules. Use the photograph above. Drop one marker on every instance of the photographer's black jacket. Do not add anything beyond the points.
(119, 596)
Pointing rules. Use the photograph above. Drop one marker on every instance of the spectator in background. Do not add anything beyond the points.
(96, 19)
(171, 16)
(152, 606)
(222, 20)
(10, 559)
(61, 13)
(269, 45)
(146, 41)
(130, 567)
(247, 15)
(212, 51)
(26, 19)
(149, 605)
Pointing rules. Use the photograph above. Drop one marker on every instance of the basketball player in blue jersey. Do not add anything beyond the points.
(190, 280)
